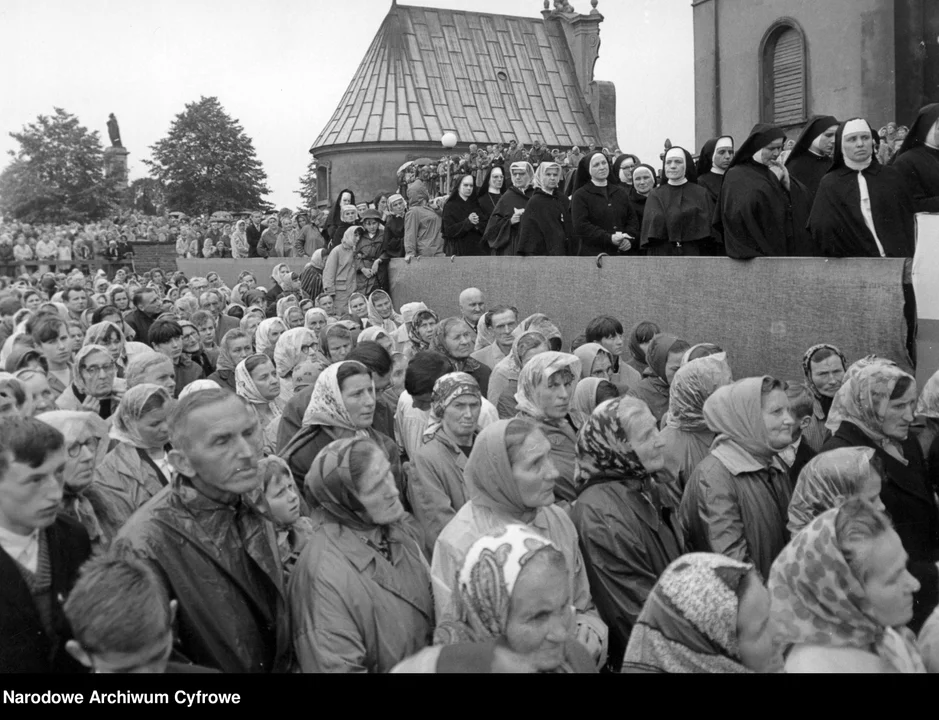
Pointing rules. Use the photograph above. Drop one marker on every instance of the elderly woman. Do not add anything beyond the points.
(507, 574)
(876, 406)
(706, 614)
(315, 320)
(511, 479)
(686, 434)
(239, 241)
(545, 387)
(267, 335)
(421, 331)
(831, 478)
(257, 382)
(85, 498)
(737, 499)
(136, 468)
(360, 597)
(436, 489)
(595, 360)
(93, 383)
(664, 356)
(284, 302)
(503, 384)
(604, 220)
(39, 396)
(824, 368)
(504, 226)
(293, 347)
(454, 338)
(627, 536)
(236, 345)
(842, 595)
(339, 275)
(111, 336)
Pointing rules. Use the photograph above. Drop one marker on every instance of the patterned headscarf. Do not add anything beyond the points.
(928, 403)
(448, 388)
(826, 481)
(689, 621)
(416, 340)
(692, 385)
(488, 474)
(541, 323)
(807, 365)
(246, 387)
(79, 361)
(262, 335)
(329, 482)
(537, 373)
(863, 399)
(539, 176)
(467, 364)
(587, 354)
(836, 414)
(125, 423)
(98, 333)
(288, 352)
(390, 324)
(603, 446)
(511, 364)
(817, 600)
(326, 405)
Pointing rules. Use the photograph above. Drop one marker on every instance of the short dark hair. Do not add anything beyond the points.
(164, 330)
(67, 293)
(373, 356)
(424, 369)
(498, 310)
(235, 311)
(105, 311)
(139, 295)
(28, 441)
(201, 316)
(348, 369)
(606, 391)
(46, 328)
(603, 327)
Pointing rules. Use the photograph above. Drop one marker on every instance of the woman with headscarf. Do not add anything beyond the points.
(917, 160)
(370, 252)
(545, 387)
(862, 209)
(360, 594)
(713, 161)
(454, 339)
(511, 478)
(639, 338)
(462, 221)
(604, 220)
(590, 393)
(737, 499)
(831, 478)
(315, 321)
(810, 159)
(239, 241)
(493, 187)
(504, 225)
(108, 335)
(824, 368)
(267, 334)
(546, 227)
(706, 614)
(842, 596)
(503, 383)
(280, 282)
(678, 214)
(293, 347)
(627, 535)
(595, 361)
(421, 331)
(664, 358)
(136, 467)
(393, 234)
(644, 182)
(762, 210)
(437, 489)
(686, 434)
(282, 305)
(875, 406)
(342, 265)
(236, 345)
(93, 387)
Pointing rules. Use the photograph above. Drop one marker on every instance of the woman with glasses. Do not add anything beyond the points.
(93, 383)
(192, 347)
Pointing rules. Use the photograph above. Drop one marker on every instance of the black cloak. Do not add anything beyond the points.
(677, 213)
(488, 201)
(463, 238)
(803, 164)
(918, 164)
(501, 235)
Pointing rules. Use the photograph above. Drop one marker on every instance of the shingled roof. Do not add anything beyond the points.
(489, 78)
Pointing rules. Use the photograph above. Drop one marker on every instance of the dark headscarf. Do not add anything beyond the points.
(603, 445)
(617, 164)
(582, 177)
(761, 136)
(639, 355)
(815, 127)
(706, 158)
(691, 172)
(413, 335)
(837, 159)
(506, 181)
(657, 352)
(335, 214)
(925, 119)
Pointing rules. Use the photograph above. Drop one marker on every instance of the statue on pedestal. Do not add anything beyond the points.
(114, 132)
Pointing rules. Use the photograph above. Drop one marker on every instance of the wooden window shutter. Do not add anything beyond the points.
(789, 78)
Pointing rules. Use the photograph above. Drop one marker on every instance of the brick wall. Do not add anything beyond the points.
(150, 255)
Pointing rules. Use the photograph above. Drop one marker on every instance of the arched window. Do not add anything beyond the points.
(322, 184)
(783, 75)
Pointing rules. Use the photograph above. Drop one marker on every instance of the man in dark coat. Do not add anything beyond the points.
(546, 227)
(505, 224)
(40, 551)
(810, 158)
(211, 301)
(148, 307)
(762, 210)
(918, 160)
(210, 544)
(253, 234)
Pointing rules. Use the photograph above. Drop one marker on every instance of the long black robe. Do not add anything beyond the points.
(758, 216)
(638, 203)
(501, 235)
(919, 163)
(462, 237)
(598, 213)
(836, 222)
(712, 183)
(809, 169)
(546, 227)
(676, 214)
(487, 206)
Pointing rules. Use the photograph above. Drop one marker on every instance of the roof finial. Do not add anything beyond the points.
(547, 4)
(593, 4)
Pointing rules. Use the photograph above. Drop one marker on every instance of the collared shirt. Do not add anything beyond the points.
(788, 455)
(22, 548)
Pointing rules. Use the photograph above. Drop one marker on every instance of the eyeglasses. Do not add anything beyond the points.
(190, 335)
(95, 370)
(75, 449)
(306, 349)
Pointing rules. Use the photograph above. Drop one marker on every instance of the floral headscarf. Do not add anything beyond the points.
(826, 481)
(97, 335)
(928, 403)
(326, 405)
(817, 600)
(79, 361)
(692, 385)
(512, 363)
(246, 387)
(587, 354)
(836, 413)
(689, 621)
(735, 413)
(536, 373)
(807, 365)
(125, 423)
(416, 340)
(288, 352)
(329, 483)
(863, 399)
(540, 323)
(603, 446)
(262, 335)
(439, 344)
(389, 325)
(448, 388)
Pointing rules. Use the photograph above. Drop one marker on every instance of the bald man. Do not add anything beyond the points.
(472, 307)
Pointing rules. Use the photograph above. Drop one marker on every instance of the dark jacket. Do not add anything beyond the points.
(803, 455)
(140, 323)
(463, 238)
(253, 234)
(599, 212)
(25, 647)
(186, 372)
(546, 226)
(919, 168)
(911, 504)
(223, 325)
(501, 235)
(224, 379)
(809, 169)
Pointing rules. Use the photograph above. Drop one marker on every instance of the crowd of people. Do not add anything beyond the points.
(294, 475)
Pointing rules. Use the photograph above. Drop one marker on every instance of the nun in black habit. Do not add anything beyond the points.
(644, 182)
(546, 227)
(505, 224)
(917, 160)
(762, 210)
(810, 159)
(678, 214)
(604, 221)
(462, 228)
(491, 192)
(715, 158)
(862, 209)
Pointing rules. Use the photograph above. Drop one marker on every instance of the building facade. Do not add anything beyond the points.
(782, 61)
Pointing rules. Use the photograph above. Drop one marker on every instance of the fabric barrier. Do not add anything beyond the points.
(229, 270)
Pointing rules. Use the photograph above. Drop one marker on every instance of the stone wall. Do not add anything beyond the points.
(150, 255)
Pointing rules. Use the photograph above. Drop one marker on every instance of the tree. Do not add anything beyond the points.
(57, 175)
(207, 162)
(147, 196)
(307, 189)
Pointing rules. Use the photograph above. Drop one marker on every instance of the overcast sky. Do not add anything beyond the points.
(280, 67)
